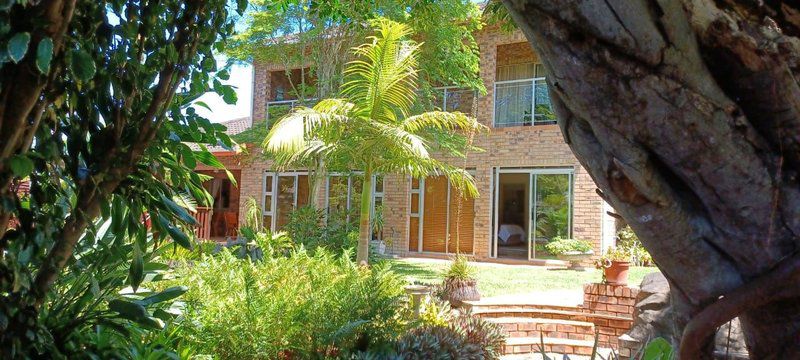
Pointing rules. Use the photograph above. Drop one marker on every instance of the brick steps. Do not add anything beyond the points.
(527, 345)
(607, 327)
(515, 327)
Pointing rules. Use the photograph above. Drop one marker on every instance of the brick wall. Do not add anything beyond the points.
(618, 300)
(613, 300)
(521, 146)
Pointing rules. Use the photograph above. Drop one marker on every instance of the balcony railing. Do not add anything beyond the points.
(280, 108)
(523, 102)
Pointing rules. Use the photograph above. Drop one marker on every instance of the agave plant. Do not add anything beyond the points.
(371, 128)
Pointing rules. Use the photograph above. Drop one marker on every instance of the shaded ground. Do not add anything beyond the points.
(499, 279)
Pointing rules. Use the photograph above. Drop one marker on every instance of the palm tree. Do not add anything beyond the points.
(371, 128)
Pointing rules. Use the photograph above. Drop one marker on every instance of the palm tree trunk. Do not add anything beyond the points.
(364, 231)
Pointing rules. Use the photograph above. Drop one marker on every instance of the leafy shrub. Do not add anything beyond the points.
(629, 242)
(561, 246)
(302, 305)
(308, 226)
(435, 342)
(460, 269)
(92, 312)
(464, 337)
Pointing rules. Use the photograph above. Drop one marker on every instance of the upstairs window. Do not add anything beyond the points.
(520, 89)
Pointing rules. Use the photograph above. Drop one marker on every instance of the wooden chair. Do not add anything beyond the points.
(231, 220)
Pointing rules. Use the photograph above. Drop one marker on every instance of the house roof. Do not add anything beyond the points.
(233, 127)
(236, 126)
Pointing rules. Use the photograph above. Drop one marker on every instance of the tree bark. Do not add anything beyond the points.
(687, 116)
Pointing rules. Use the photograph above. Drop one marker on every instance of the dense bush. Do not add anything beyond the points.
(299, 306)
(312, 228)
(464, 337)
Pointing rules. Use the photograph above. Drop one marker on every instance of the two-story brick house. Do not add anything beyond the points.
(532, 188)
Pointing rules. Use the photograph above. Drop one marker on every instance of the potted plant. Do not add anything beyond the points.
(573, 250)
(459, 283)
(615, 264)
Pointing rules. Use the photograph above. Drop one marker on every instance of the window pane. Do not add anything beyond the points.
(268, 222)
(553, 203)
(434, 221)
(515, 72)
(286, 190)
(513, 102)
(379, 184)
(544, 110)
(337, 194)
(414, 183)
(267, 203)
(303, 190)
(377, 219)
(415, 203)
(268, 180)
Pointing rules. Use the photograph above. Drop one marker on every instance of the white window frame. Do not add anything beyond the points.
(532, 172)
(350, 191)
(533, 82)
(274, 199)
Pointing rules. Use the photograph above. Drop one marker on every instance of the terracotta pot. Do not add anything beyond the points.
(617, 273)
(458, 291)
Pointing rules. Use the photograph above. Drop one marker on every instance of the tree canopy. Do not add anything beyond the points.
(327, 30)
(94, 117)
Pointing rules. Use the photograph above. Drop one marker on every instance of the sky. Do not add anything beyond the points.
(242, 79)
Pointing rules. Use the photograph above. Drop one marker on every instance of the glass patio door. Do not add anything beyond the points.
(551, 211)
(547, 213)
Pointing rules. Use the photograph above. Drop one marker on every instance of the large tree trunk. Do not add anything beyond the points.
(687, 115)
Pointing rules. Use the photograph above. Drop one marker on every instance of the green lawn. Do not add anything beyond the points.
(495, 280)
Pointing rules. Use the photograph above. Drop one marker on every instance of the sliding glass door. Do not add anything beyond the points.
(531, 208)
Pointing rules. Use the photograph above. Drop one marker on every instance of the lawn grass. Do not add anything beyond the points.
(496, 280)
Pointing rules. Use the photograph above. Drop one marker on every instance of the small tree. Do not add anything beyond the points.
(371, 128)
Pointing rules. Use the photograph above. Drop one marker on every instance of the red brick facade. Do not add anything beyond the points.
(540, 146)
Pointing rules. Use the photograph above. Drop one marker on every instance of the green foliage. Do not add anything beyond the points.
(464, 337)
(94, 310)
(328, 29)
(628, 241)
(561, 246)
(303, 305)
(99, 110)
(460, 269)
(336, 232)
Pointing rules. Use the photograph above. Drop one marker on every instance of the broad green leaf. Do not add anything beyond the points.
(18, 46)
(176, 234)
(128, 310)
(188, 157)
(206, 157)
(166, 295)
(44, 53)
(21, 165)
(203, 104)
(136, 271)
(82, 65)
(178, 211)
(657, 349)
